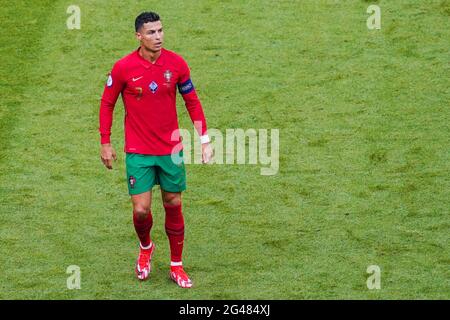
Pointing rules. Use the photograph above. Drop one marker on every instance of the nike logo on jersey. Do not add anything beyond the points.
(136, 79)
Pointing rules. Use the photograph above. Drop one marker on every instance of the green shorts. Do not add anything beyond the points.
(144, 171)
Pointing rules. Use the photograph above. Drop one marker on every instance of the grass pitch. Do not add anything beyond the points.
(364, 151)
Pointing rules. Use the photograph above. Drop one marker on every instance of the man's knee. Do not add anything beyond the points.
(141, 205)
(141, 211)
(172, 198)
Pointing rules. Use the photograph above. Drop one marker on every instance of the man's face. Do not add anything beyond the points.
(151, 36)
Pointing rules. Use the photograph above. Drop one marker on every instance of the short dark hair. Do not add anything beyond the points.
(145, 17)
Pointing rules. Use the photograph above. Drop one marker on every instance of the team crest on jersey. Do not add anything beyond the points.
(167, 75)
(153, 86)
(132, 181)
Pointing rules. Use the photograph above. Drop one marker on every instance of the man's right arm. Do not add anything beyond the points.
(113, 88)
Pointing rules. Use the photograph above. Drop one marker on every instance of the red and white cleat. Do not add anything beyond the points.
(178, 275)
(143, 263)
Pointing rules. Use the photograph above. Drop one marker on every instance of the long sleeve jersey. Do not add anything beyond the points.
(149, 96)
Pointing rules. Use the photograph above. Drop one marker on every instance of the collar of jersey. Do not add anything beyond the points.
(147, 64)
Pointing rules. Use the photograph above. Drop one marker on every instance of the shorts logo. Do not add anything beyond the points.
(132, 181)
(153, 87)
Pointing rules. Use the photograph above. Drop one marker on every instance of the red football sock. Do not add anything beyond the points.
(175, 230)
(142, 227)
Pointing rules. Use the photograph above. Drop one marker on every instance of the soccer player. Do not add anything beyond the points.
(148, 79)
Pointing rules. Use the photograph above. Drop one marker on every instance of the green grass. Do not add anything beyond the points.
(364, 151)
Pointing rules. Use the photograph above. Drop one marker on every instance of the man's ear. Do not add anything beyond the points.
(138, 36)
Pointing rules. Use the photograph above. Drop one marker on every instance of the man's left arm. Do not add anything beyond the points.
(195, 110)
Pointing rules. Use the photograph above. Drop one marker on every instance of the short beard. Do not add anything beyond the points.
(149, 49)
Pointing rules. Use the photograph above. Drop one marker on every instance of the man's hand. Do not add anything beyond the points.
(207, 152)
(108, 154)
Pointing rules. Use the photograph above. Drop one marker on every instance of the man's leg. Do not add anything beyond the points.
(142, 216)
(174, 224)
(143, 221)
(141, 177)
(175, 232)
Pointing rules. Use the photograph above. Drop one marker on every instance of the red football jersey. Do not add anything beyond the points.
(149, 96)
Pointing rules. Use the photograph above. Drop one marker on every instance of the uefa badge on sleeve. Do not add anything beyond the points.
(109, 82)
